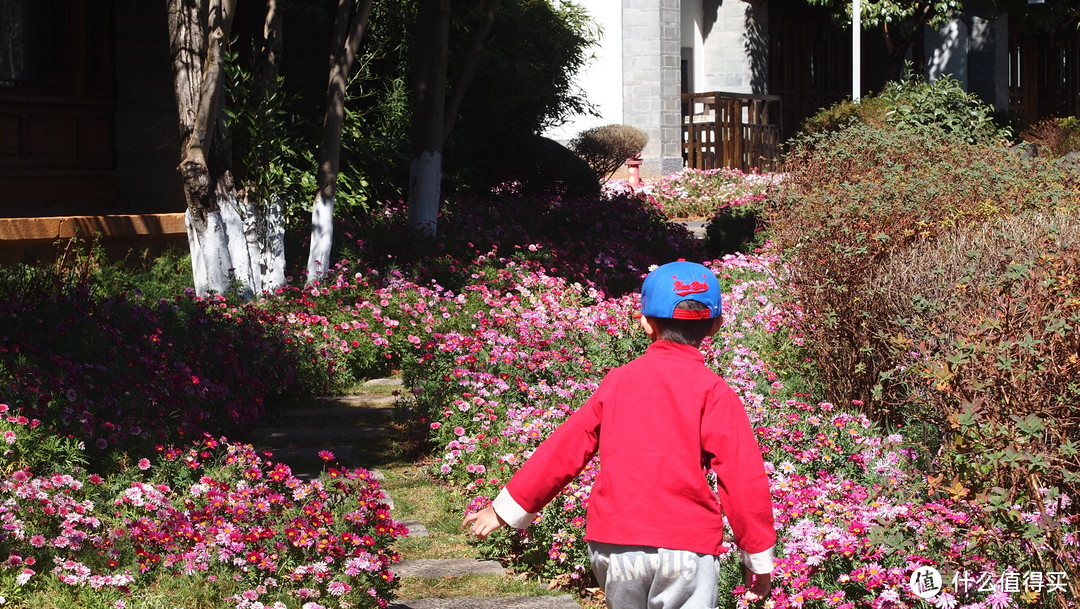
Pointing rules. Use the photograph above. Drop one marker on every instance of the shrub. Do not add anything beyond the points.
(981, 326)
(606, 148)
(915, 105)
(942, 105)
(736, 228)
(870, 109)
(1055, 137)
(856, 195)
(537, 165)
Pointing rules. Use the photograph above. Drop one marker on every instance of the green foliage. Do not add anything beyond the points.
(894, 13)
(870, 109)
(523, 84)
(273, 150)
(914, 105)
(918, 106)
(607, 148)
(735, 229)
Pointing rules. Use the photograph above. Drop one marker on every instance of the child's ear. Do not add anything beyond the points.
(717, 322)
(650, 329)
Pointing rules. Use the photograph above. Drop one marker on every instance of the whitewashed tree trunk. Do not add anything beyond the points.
(231, 241)
(433, 114)
(236, 238)
(322, 236)
(344, 44)
(425, 192)
(272, 251)
(209, 252)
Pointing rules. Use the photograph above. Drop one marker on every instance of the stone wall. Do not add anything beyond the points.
(652, 43)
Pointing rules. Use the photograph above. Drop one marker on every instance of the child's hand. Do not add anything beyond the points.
(483, 522)
(758, 585)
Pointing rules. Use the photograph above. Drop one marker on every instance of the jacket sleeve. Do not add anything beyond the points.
(552, 466)
(742, 484)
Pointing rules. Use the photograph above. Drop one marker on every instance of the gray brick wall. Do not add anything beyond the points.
(652, 40)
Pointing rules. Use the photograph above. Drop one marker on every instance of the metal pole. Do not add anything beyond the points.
(856, 52)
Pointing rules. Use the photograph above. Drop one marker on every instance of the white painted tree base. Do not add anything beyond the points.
(425, 192)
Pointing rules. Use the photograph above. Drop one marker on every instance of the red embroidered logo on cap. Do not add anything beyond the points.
(694, 287)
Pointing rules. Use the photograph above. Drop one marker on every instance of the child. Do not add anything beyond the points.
(654, 523)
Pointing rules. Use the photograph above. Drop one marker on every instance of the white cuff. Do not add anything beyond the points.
(759, 562)
(511, 512)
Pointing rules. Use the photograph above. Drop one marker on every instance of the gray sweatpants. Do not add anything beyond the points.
(643, 577)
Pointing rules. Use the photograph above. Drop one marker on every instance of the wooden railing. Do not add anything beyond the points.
(734, 130)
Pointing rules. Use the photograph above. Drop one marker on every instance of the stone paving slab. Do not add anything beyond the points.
(416, 528)
(352, 401)
(696, 229)
(348, 412)
(446, 567)
(314, 433)
(564, 601)
(385, 382)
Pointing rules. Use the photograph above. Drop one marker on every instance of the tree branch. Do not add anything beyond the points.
(468, 72)
(270, 52)
(356, 33)
(340, 65)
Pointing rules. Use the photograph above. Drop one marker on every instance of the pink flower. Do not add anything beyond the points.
(326, 455)
(144, 464)
(338, 588)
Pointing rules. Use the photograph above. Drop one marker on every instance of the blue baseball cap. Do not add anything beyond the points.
(674, 282)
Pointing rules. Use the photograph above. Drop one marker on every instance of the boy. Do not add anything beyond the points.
(654, 524)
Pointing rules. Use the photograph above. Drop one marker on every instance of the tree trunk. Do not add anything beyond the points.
(469, 67)
(198, 33)
(429, 95)
(433, 116)
(341, 61)
(264, 222)
(234, 242)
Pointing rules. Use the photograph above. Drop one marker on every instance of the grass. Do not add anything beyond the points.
(439, 507)
(417, 496)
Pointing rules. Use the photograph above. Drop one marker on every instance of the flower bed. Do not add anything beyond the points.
(855, 516)
(214, 513)
(497, 357)
(698, 194)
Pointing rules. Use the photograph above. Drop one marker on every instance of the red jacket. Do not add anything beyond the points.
(658, 423)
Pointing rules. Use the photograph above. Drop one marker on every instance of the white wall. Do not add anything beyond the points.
(602, 78)
(946, 52)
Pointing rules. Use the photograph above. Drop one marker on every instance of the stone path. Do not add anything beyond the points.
(355, 429)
